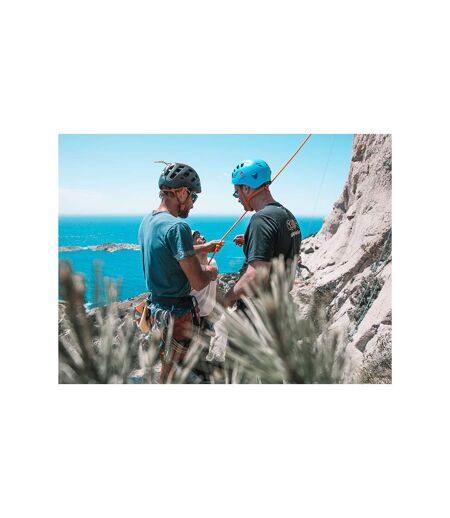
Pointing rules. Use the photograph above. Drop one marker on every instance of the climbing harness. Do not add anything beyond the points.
(274, 178)
(162, 324)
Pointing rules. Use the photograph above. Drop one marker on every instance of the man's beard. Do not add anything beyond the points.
(183, 214)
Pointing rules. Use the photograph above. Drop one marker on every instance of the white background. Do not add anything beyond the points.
(118, 67)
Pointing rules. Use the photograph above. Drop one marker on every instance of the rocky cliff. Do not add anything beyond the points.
(350, 261)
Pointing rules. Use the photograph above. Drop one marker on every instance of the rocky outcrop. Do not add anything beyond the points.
(104, 247)
(350, 260)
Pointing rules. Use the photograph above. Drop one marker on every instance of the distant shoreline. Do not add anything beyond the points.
(105, 247)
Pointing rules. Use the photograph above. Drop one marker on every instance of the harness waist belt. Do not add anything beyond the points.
(174, 301)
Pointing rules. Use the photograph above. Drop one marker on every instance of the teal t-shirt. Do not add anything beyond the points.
(165, 240)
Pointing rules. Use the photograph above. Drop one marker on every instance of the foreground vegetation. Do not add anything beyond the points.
(269, 343)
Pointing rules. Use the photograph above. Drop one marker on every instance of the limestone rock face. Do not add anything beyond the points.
(350, 256)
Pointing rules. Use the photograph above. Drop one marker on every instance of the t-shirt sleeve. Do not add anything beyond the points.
(261, 239)
(179, 241)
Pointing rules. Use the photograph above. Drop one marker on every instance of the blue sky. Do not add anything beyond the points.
(116, 174)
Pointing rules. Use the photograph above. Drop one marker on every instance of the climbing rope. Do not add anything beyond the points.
(319, 192)
(274, 178)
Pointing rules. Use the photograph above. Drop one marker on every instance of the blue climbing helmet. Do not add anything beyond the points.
(253, 173)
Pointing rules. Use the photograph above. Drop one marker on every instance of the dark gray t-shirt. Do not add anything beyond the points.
(272, 231)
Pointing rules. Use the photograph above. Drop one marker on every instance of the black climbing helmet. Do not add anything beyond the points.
(180, 175)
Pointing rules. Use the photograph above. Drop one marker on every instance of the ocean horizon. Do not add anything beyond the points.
(124, 266)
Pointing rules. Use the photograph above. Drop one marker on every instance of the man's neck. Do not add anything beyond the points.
(261, 200)
(167, 207)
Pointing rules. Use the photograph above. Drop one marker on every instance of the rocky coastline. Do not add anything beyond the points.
(104, 247)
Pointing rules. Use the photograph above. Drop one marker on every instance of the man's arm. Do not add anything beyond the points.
(198, 276)
(249, 277)
(209, 246)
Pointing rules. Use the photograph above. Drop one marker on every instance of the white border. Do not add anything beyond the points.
(249, 67)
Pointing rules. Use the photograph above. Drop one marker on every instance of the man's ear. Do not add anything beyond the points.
(182, 193)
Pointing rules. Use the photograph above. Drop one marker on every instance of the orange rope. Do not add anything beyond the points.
(292, 157)
(274, 178)
(231, 228)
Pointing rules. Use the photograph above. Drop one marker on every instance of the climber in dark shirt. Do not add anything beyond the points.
(273, 230)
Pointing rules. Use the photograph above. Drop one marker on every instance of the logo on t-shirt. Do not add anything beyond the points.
(293, 228)
(292, 224)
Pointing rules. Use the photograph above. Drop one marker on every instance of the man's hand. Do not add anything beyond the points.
(199, 276)
(209, 246)
(212, 271)
(249, 277)
(239, 240)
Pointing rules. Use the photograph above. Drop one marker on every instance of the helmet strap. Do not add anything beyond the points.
(182, 205)
(247, 205)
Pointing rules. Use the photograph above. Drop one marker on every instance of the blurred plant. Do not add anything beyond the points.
(105, 345)
(101, 346)
(270, 343)
(106, 290)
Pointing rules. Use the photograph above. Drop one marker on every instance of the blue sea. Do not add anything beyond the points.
(125, 265)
